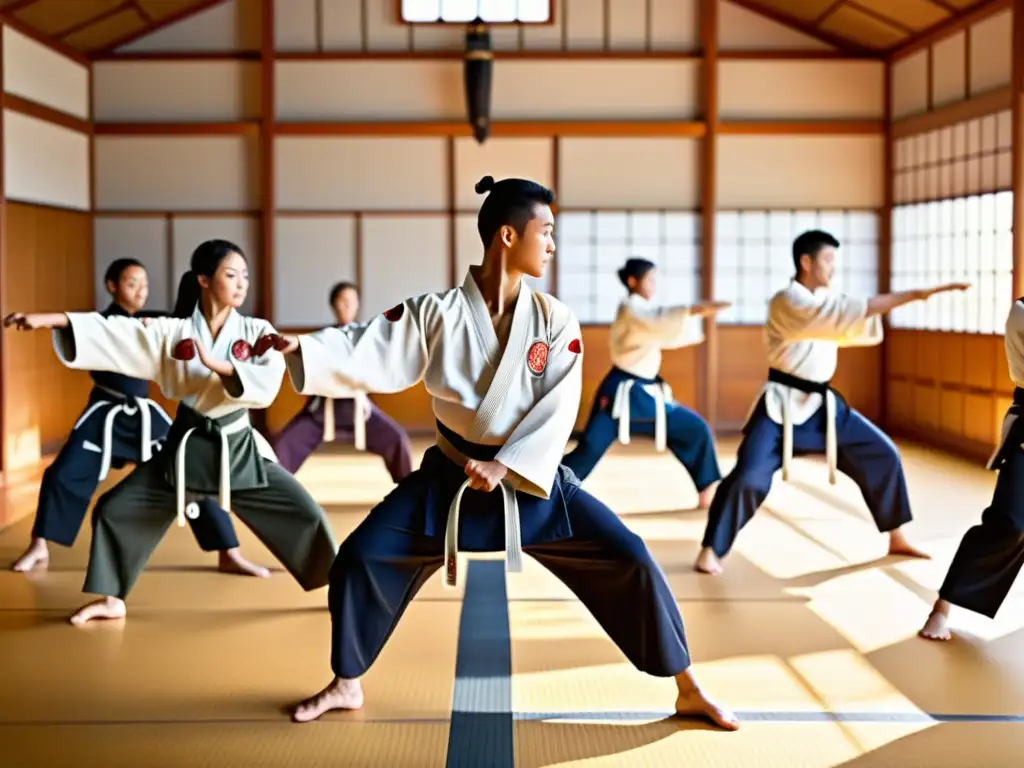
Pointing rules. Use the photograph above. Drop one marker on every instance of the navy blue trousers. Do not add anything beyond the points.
(71, 480)
(688, 435)
(865, 454)
(991, 553)
(386, 560)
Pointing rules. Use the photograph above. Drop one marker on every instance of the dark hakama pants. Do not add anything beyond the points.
(688, 435)
(304, 434)
(865, 454)
(71, 480)
(131, 518)
(991, 554)
(386, 560)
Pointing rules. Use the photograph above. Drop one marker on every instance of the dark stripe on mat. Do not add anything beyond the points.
(481, 731)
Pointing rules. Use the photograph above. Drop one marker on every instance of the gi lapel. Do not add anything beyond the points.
(511, 359)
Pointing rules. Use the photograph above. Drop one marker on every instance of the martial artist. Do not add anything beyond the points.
(991, 554)
(350, 416)
(798, 412)
(633, 398)
(503, 366)
(120, 425)
(205, 357)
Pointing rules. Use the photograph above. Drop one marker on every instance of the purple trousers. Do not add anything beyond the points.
(305, 432)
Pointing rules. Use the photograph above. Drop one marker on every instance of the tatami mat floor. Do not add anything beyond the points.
(810, 635)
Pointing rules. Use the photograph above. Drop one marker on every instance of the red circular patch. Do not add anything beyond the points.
(576, 346)
(184, 350)
(395, 313)
(241, 350)
(537, 357)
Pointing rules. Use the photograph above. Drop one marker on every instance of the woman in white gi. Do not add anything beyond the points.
(206, 358)
(634, 399)
(503, 366)
(120, 425)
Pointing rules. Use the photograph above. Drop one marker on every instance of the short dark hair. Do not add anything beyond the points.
(117, 268)
(511, 201)
(337, 288)
(810, 244)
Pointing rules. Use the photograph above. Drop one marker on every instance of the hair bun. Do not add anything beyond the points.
(485, 185)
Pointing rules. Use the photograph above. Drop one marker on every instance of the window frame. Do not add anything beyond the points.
(551, 20)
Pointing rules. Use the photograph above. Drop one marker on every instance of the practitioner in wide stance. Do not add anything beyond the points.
(633, 398)
(207, 358)
(503, 365)
(991, 553)
(798, 412)
(120, 425)
(349, 416)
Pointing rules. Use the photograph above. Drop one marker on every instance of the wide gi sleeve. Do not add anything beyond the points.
(118, 344)
(388, 354)
(535, 448)
(664, 329)
(825, 317)
(257, 379)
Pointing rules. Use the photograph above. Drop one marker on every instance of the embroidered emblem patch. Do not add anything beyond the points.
(241, 350)
(184, 350)
(576, 347)
(395, 313)
(537, 358)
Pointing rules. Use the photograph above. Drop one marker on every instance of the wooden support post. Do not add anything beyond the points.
(709, 201)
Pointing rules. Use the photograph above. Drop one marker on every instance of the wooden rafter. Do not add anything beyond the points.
(953, 24)
(127, 5)
(158, 24)
(803, 27)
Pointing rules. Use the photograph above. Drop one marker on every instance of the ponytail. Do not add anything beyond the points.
(188, 295)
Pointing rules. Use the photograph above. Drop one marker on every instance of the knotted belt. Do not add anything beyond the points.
(211, 427)
(811, 388)
(460, 451)
(662, 394)
(146, 427)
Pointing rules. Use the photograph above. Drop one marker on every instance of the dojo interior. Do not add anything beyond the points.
(330, 139)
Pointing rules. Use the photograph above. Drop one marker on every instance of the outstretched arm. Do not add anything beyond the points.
(887, 302)
(670, 328)
(89, 341)
(388, 354)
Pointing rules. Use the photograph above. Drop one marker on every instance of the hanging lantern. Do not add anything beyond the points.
(479, 63)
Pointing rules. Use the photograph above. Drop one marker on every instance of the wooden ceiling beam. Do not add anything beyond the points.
(829, 10)
(881, 18)
(848, 46)
(127, 5)
(153, 26)
(950, 26)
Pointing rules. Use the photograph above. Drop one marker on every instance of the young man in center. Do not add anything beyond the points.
(503, 366)
(798, 412)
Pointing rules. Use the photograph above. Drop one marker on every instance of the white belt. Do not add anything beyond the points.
(513, 534)
(831, 444)
(146, 427)
(359, 417)
(192, 510)
(661, 392)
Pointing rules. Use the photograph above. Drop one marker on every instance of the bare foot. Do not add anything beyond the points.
(231, 561)
(937, 626)
(340, 694)
(708, 562)
(107, 608)
(693, 701)
(706, 496)
(36, 556)
(898, 545)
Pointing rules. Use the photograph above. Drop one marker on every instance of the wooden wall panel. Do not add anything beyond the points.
(52, 271)
(40, 74)
(45, 164)
(947, 388)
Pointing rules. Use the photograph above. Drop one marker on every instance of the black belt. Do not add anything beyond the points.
(804, 385)
(470, 450)
(1015, 437)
